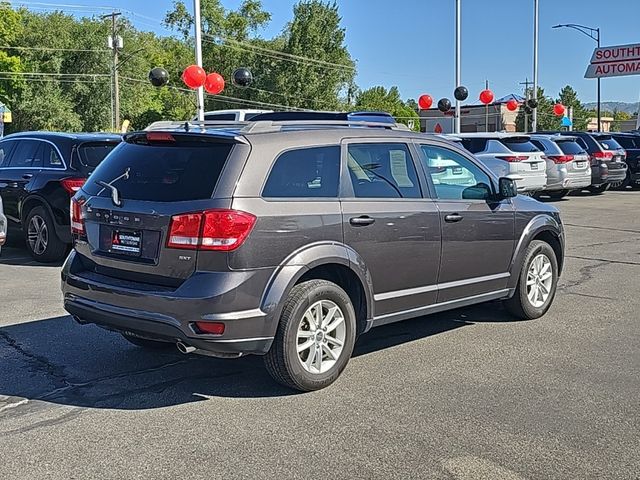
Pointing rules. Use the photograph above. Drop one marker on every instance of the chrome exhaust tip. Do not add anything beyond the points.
(183, 348)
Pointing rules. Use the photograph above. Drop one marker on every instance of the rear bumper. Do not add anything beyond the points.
(570, 181)
(169, 314)
(531, 183)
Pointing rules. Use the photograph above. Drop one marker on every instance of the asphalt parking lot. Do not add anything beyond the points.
(467, 394)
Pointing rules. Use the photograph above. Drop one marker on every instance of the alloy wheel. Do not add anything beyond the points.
(539, 280)
(38, 235)
(321, 336)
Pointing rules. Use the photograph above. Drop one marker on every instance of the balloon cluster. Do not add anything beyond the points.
(444, 104)
(194, 77)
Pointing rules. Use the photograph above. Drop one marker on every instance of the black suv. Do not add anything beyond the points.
(39, 173)
(631, 144)
(290, 238)
(607, 158)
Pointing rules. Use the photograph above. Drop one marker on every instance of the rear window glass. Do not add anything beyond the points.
(627, 142)
(474, 145)
(519, 145)
(569, 147)
(223, 117)
(92, 154)
(163, 173)
(608, 143)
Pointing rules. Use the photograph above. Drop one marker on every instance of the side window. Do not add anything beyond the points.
(27, 154)
(50, 156)
(305, 172)
(6, 148)
(582, 143)
(454, 176)
(382, 170)
(538, 145)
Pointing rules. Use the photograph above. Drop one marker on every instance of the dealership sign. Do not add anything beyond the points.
(614, 61)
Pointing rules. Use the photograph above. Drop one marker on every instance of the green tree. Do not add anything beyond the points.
(10, 30)
(379, 99)
(569, 98)
(546, 118)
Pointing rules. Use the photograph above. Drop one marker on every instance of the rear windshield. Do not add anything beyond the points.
(569, 147)
(92, 154)
(170, 172)
(608, 143)
(519, 144)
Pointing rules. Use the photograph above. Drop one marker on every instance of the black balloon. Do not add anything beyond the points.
(242, 77)
(158, 77)
(532, 103)
(444, 104)
(461, 93)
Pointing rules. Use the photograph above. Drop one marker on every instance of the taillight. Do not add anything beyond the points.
(602, 155)
(72, 185)
(511, 158)
(561, 158)
(77, 222)
(222, 230)
(160, 137)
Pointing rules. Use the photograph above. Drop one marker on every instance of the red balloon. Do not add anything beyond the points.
(512, 105)
(486, 96)
(214, 83)
(558, 109)
(194, 76)
(425, 102)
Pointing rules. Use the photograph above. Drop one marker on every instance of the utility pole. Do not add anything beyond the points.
(198, 31)
(458, 81)
(115, 43)
(527, 92)
(534, 114)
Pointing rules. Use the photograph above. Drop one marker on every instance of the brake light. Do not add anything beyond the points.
(77, 222)
(160, 137)
(561, 158)
(602, 155)
(72, 185)
(511, 158)
(222, 230)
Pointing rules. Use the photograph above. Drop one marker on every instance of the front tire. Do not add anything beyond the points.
(537, 282)
(315, 337)
(40, 236)
(599, 189)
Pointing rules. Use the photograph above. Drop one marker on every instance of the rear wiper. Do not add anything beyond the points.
(115, 194)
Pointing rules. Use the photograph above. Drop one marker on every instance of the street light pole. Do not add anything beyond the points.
(534, 114)
(198, 27)
(594, 34)
(458, 80)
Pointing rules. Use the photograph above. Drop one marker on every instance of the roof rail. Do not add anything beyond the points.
(264, 126)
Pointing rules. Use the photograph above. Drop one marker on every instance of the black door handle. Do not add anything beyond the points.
(361, 221)
(453, 218)
(27, 176)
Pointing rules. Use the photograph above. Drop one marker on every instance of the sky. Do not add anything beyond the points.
(411, 43)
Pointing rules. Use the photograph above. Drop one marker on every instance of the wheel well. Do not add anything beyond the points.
(29, 205)
(553, 241)
(346, 279)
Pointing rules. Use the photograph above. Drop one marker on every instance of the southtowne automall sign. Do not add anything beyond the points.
(614, 61)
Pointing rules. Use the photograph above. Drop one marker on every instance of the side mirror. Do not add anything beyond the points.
(507, 187)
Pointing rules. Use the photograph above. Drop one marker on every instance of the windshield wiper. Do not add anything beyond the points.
(115, 194)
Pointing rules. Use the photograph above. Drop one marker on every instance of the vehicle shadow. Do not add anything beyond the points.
(58, 361)
(15, 254)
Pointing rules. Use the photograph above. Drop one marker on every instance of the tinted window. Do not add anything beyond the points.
(50, 156)
(608, 143)
(539, 145)
(220, 116)
(382, 170)
(569, 147)
(582, 143)
(27, 154)
(5, 151)
(454, 176)
(519, 144)
(306, 172)
(92, 154)
(626, 142)
(184, 170)
(475, 145)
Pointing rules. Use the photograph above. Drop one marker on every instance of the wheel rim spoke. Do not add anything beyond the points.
(334, 341)
(336, 323)
(329, 352)
(305, 346)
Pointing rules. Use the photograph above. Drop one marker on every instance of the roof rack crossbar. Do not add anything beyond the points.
(268, 125)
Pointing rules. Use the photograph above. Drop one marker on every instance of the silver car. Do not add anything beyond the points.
(3, 226)
(568, 165)
(515, 151)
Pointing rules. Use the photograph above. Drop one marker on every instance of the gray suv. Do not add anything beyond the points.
(289, 239)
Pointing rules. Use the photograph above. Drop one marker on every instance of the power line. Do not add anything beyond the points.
(52, 49)
(43, 74)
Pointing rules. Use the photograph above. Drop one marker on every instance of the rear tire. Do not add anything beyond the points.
(599, 189)
(535, 290)
(40, 236)
(146, 343)
(315, 337)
